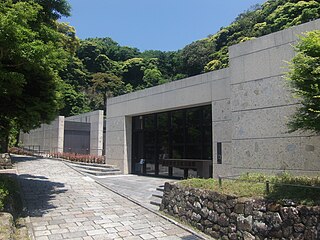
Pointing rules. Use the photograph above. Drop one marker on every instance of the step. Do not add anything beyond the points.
(94, 168)
(99, 173)
(157, 196)
(80, 164)
(155, 203)
(160, 189)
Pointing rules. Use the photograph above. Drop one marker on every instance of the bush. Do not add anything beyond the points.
(10, 200)
(19, 151)
(85, 158)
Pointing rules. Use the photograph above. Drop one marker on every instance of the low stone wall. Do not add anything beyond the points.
(227, 217)
(5, 161)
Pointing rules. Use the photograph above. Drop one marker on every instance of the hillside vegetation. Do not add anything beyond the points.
(101, 65)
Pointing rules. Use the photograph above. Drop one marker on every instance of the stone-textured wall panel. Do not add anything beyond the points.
(49, 137)
(310, 148)
(220, 89)
(225, 169)
(261, 123)
(114, 152)
(221, 110)
(115, 124)
(115, 138)
(262, 93)
(297, 154)
(222, 131)
(115, 162)
(184, 97)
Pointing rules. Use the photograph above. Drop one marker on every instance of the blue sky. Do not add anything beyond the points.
(154, 24)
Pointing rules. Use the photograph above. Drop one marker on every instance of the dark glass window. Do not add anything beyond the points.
(149, 122)
(177, 119)
(137, 123)
(180, 134)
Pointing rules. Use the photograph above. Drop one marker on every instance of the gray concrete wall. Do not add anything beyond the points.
(261, 104)
(251, 105)
(49, 137)
(95, 118)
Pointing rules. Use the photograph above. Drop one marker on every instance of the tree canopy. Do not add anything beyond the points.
(304, 77)
(32, 52)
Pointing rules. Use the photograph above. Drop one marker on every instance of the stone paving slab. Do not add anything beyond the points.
(63, 204)
(138, 188)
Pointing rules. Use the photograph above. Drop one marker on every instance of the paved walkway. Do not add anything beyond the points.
(63, 204)
(139, 188)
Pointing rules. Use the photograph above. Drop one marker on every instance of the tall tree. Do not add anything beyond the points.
(31, 54)
(304, 76)
(102, 84)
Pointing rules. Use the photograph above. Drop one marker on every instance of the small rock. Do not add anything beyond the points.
(298, 227)
(223, 220)
(248, 236)
(204, 212)
(244, 223)
(196, 217)
(273, 207)
(239, 208)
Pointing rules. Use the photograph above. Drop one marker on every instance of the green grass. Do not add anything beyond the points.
(282, 187)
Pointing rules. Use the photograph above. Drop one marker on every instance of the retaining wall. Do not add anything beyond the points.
(228, 217)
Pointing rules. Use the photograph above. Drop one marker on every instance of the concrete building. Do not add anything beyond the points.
(224, 122)
(78, 134)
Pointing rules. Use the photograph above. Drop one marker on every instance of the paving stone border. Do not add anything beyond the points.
(6, 226)
(5, 161)
(228, 217)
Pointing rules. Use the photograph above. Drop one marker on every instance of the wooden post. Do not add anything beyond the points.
(267, 187)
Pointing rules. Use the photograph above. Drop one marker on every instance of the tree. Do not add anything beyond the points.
(75, 74)
(152, 77)
(304, 77)
(31, 54)
(101, 84)
(195, 56)
(133, 71)
(74, 102)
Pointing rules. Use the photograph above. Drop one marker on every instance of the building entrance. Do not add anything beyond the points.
(175, 143)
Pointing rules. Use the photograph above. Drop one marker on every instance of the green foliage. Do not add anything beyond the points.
(152, 77)
(133, 71)
(75, 73)
(195, 55)
(103, 84)
(304, 77)
(3, 194)
(74, 102)
(31, 53)
(213, 65)
(9, 194)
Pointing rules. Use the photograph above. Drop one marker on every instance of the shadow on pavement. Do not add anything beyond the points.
(39, 194)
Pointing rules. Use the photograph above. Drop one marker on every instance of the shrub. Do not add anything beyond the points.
(9, 195)
(75, 157)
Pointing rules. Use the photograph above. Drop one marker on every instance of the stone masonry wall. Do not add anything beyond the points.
(227, 217)
(5, 161)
